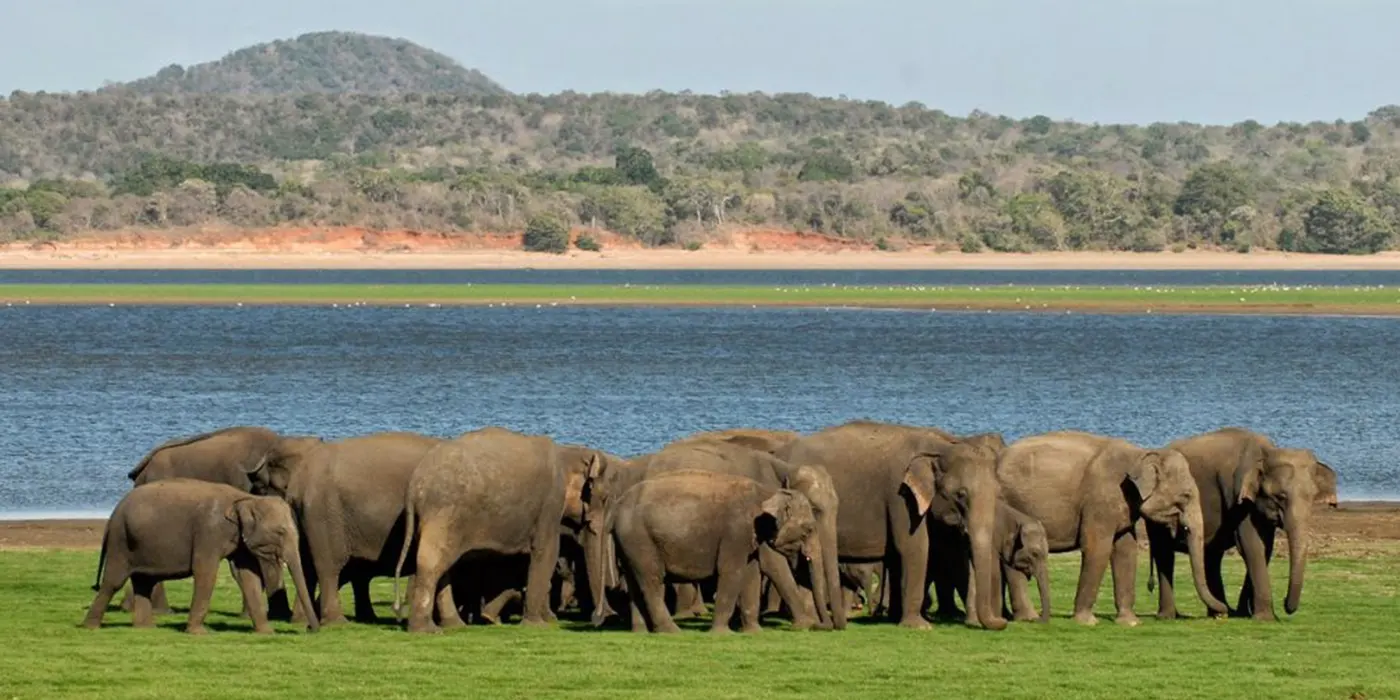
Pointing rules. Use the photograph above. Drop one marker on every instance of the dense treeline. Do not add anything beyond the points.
(677, 167)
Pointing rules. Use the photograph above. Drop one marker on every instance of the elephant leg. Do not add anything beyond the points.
(751, 598)
(141, 586)
(1256, 545)
(775, 567)
(1125, 553)
(492, 609)
(544, 555)
(446, 604)
(913, 581)
(430, 569)
(1214, 582)
(114, 576)
(364, 605)
(772, 602)
(1018, 588)
(1095, 552)
(728, 588)
(1163, 552)
(328, 567)
(887, 584)
(653, 594)
(206, 574)
(249, 581)
(689, 602)
(159, 604)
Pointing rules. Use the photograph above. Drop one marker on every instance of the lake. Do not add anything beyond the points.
(86, 391)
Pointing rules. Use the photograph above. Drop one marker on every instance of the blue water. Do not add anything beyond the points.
(745, 277)
(86, 391)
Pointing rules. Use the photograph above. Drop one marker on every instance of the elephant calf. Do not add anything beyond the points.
(689, 525)
(176, 528)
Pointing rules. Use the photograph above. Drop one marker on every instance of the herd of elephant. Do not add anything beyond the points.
(495, 523)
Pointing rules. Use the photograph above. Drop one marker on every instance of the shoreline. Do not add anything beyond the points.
(1352, 522)
(720, 258)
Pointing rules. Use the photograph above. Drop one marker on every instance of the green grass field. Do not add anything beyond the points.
(1259, 299)
(1343, 643)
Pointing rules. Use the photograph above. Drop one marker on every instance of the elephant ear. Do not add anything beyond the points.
(1145, 472)
(1325, 480)
(595, 466)
(921, 477)
(770, 515)
(242, 513)
(1249, 471)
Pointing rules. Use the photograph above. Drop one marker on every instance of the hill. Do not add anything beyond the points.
(681, 168)
(321, 62)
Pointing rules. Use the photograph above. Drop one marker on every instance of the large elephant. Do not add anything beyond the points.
(236, 456)
(693, 524)
(812, 481)
(348, 496)
(175, 528)
(1089, 491)
(491, 491)
(1249, 488)
(886, 477)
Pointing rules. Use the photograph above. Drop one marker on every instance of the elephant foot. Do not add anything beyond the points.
(1024, 617)
(1264, 616)
(423, 628)
(369, 618)
(948, 615)
(333, 620)
(721, 630)
(915, 623)
(535, 621)
(1128, 619)
(804, 624)
(196, 630)
(688, 614)
(451, 622)
(1086, 618)
(262, 629)
(668, 628)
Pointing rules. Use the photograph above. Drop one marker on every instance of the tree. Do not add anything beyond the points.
(1214, 188)
(637, 167)
(545, 233)
(1341, 222)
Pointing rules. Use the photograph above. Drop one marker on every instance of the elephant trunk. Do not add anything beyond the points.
(291, 554)
(832, 571)
(1196, 551)
(595, 553)
(1042, 581)
(1294, 523)
(986, 563)
(822, 600)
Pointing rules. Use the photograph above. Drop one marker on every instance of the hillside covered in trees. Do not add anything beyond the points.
(185, 149)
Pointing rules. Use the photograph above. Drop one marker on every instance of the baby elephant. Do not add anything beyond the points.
(688, 525)
(176, 528)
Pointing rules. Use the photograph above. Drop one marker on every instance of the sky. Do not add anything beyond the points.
(1107, 61)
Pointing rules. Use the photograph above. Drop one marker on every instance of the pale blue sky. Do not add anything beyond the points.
(1214, 61)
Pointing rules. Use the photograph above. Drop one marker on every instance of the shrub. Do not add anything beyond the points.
(546, 234)
(588, 243)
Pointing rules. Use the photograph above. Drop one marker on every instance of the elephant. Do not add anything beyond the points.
(887, 476)
(174, 528)
(760, 439)
(692, 524)
(605, 583)
(491, 491)
(235, 456)
(860, 586)
(1249, 489)
(812, 481)
(348, 496)
(1089, 491)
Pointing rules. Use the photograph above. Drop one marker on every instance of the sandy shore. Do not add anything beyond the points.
(1353, 526)
(719, 259)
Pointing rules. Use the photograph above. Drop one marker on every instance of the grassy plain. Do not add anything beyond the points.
(1341, 644)
(1122, 299)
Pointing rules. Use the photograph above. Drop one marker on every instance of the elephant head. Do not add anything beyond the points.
(786, 523)
(964, 473)
(1028, 551)
(267, 529)
(1284, 485)
(274, 473)
(1167, 494)
(815, 484)
(608, 482)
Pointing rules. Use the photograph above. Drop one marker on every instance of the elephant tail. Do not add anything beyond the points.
(102, 557)
(410, 520)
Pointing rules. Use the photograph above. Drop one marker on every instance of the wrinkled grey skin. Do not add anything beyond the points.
(887, 476)
(497, 492)
(235, 456)
(349, 499)
(689, 525)
(177, 528)
(1089, 491)
(1249, 489)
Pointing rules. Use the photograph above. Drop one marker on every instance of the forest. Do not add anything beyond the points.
(199, 147)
